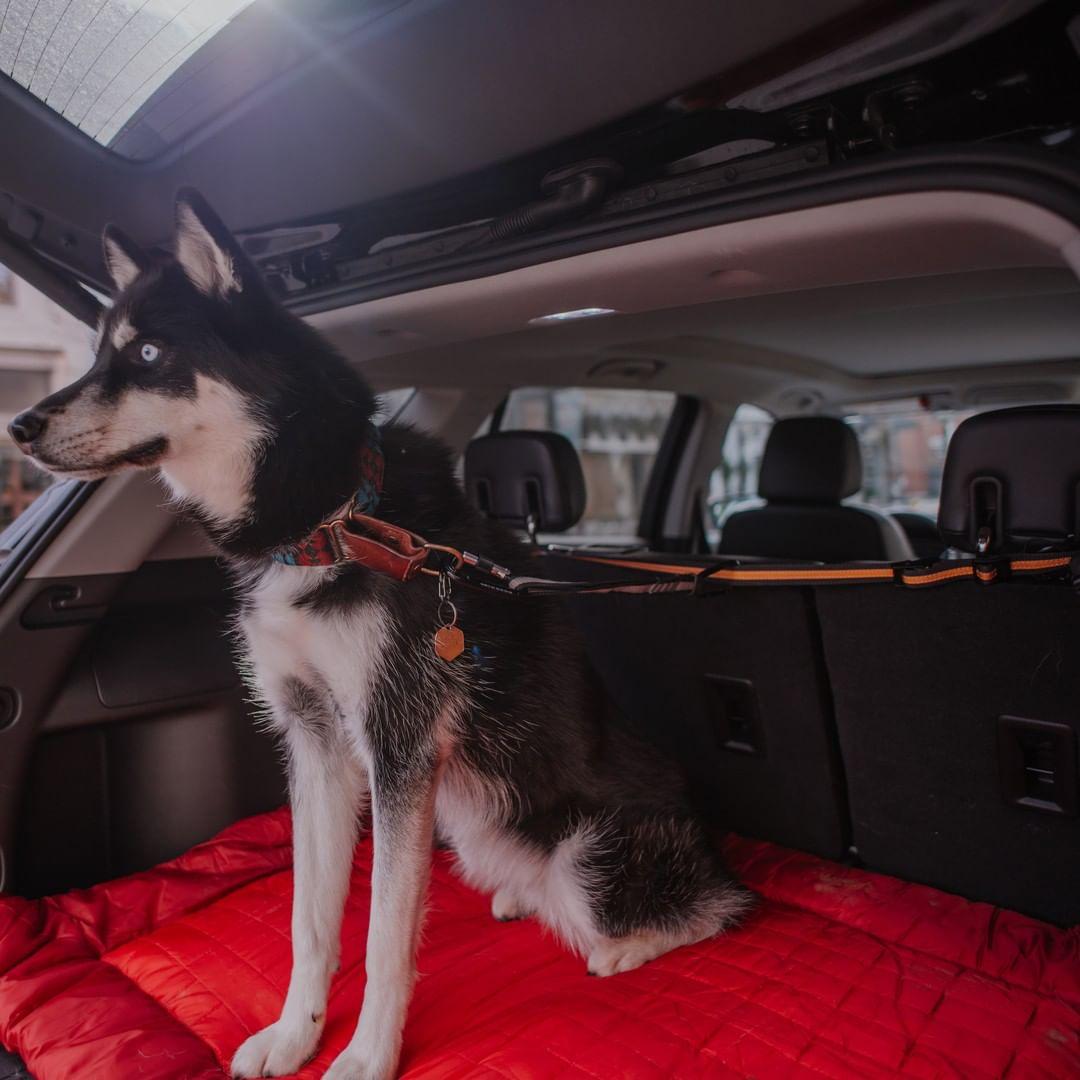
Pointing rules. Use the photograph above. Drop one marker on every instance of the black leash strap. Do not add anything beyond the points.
(699, 581)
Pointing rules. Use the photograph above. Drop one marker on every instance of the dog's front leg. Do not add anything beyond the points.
(326, 788)
(403, 810)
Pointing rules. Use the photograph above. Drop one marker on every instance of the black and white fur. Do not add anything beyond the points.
(256, 425)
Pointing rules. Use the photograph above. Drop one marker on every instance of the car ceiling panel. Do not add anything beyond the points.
(916, 336)
(815, 291)
(429, 90)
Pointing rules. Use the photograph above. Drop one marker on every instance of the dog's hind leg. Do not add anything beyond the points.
(612, 955)
(655, 884)
(326, 788)
(403, 814)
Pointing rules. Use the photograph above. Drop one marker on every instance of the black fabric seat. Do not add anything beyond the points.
(958, 709)
(733, 687)
(922, 533)
(811, 464)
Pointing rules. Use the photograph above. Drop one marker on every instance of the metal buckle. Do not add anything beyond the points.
(452, 552)
(913, 567)
(992, 570)
(333, 530)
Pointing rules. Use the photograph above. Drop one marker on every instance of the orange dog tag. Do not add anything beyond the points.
(449, 642)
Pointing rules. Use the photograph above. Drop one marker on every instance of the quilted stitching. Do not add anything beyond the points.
(839, 974)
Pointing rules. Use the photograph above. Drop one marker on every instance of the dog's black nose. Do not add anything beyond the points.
(27, 426)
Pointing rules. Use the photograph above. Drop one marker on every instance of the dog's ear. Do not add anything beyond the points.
(124, 259)
(206, 251)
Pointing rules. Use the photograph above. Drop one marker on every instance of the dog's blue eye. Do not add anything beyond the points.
(149, 354)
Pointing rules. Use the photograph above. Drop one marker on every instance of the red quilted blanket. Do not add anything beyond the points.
(840, 973)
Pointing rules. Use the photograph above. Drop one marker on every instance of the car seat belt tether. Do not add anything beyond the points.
(357, 538)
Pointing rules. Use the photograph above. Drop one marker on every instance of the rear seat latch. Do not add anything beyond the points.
(1037, 762)
(735, 711)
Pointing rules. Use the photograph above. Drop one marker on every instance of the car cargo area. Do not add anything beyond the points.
(758, 326)
(891, 769)
(839, 973)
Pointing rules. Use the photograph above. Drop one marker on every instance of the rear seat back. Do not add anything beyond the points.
(732, 686)
(958, 709)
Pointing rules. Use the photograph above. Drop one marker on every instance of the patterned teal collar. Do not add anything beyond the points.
(372, 467)
(364, 501)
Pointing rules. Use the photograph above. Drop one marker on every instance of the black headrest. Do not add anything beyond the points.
(1015, 472)
(515, 475)
(813, 459)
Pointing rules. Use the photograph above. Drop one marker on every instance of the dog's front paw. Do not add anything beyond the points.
(350, 1065)
(275, 1051)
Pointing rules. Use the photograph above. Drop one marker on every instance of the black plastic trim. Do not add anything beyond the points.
(1038, 177)
(668, 458)
(59, 286)
(827, 698)
(13, 569)
(497, 416)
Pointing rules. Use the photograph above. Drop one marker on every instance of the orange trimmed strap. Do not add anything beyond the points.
(1040, 563)
(905, 574)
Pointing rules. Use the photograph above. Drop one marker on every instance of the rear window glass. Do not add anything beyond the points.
(617, 434)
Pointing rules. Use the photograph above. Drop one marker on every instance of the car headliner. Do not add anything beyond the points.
(406, 95)
(418, 91)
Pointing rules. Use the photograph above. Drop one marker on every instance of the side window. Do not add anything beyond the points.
(903, 449)
(733, 483)
(42, 348)
(392, 403)
(617, 434)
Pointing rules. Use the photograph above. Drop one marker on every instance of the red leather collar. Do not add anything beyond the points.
(363, 540)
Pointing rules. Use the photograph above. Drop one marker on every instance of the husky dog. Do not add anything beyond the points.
(257, 426)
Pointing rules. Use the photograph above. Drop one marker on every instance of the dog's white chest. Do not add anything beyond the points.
(339, 653)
